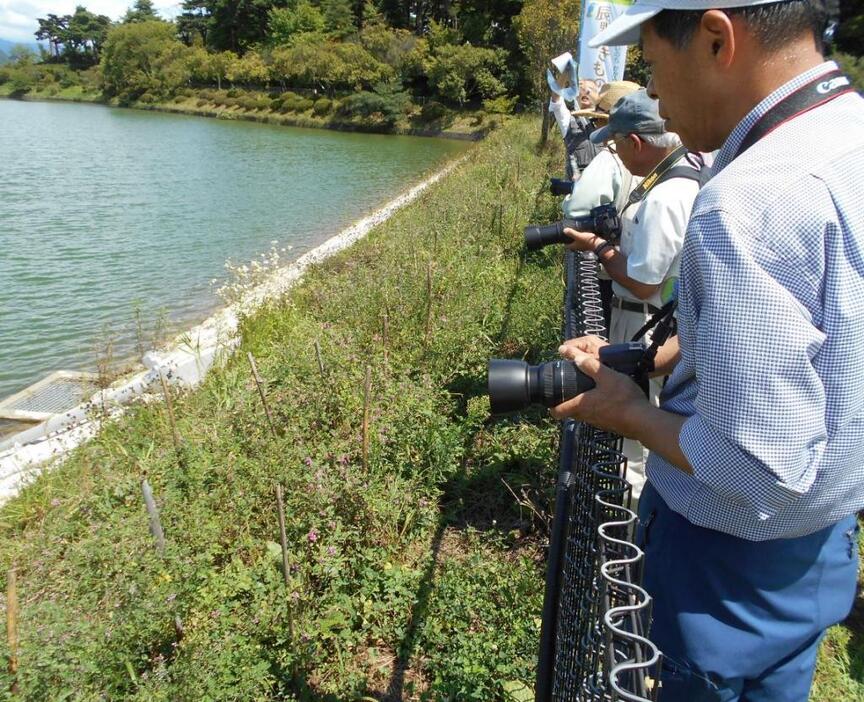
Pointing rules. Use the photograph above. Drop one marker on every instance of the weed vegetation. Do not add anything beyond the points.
(413, 572)
(415, 559)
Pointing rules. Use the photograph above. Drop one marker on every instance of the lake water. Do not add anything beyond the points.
(103, 211)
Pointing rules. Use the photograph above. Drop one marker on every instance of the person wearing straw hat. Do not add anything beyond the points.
(756, 471)
(606, 179)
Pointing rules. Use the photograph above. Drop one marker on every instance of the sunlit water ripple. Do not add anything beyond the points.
(103, 210)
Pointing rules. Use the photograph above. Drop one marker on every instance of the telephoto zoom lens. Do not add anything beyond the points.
(560, 186)
(539, 235)
(514, 385)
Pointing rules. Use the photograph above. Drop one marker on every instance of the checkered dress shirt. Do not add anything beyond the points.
(771, 326)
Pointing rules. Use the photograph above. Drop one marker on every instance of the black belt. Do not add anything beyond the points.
(642, 307)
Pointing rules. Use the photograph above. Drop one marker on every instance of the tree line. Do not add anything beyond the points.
(458, 53)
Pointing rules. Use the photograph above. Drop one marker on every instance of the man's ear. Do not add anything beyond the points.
(716, 33)
(635, 143)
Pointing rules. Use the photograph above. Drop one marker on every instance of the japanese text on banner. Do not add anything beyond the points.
(606, 63)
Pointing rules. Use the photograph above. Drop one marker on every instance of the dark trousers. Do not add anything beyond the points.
(740, 620)
(606, 295)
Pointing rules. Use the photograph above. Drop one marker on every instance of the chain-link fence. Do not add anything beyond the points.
(594, 644)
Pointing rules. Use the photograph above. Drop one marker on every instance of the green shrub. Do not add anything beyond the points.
(432, 111)
(147, 98)
(387, 107)
(235, 92)
(201, 102)
(322, 106)
(502, 105)
(179, 98)
(276, 103)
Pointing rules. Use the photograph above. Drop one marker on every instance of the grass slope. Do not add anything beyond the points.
(414, 577)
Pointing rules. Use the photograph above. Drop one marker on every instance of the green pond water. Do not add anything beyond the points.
(103, 211)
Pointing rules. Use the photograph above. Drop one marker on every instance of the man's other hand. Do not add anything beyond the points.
(589, 344)
(615, 404)
(582, 241)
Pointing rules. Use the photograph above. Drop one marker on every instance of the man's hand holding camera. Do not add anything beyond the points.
(615, 404)
(618, 404)
(582, 241)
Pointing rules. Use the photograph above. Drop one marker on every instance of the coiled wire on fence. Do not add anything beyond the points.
(593, 640)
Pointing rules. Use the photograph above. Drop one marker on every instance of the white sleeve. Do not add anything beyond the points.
(598, 185)
(562, 115)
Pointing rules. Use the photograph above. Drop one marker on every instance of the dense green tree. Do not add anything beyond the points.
(238, 25)
(545, 28)
(143, 57)
(53, 29)
(390, 46)
(84, 36)
(339, 19)
(194, 22)
(249, 69)
(462, 73)
(141, 11)
(314, 63)
(287, 23)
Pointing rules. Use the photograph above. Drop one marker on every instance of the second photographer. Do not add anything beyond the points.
(644, 267)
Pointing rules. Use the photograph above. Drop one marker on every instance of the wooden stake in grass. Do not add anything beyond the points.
(367, 397)
(175, 435)
(153, 514)
(428, 331)
(283, 537)
(318, 356)
(260, 387)
(283, 540)
(385, 332)
(159, 537)
(12, 627)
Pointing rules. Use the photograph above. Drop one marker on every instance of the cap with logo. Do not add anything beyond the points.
(625, 29)
(635, 113)
(609, 94)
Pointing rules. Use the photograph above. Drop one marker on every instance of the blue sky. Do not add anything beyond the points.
(18, 17)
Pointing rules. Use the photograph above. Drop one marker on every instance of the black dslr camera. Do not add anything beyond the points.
(560, 186)
(603, 220)
(514, 385)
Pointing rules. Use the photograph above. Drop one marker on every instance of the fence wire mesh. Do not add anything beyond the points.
(594, 644)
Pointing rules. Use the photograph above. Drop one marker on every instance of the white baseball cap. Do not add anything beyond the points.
(625, 29)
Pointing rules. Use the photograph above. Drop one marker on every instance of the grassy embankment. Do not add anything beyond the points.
(416, 576)
(287, 109)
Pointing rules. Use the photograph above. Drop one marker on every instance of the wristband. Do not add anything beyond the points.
(600, 248)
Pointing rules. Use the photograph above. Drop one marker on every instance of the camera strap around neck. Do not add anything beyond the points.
(655, 176)
(817, 92)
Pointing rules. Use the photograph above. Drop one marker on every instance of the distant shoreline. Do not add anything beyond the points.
(188, 107)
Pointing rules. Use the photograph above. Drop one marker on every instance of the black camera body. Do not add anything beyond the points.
(515, 385)
(603, 221)
(560, 186)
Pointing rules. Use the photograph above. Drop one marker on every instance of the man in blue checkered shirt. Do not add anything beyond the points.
(757, 450)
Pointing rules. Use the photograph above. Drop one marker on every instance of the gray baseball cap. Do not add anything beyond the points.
(625, 29)
(635, 113)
